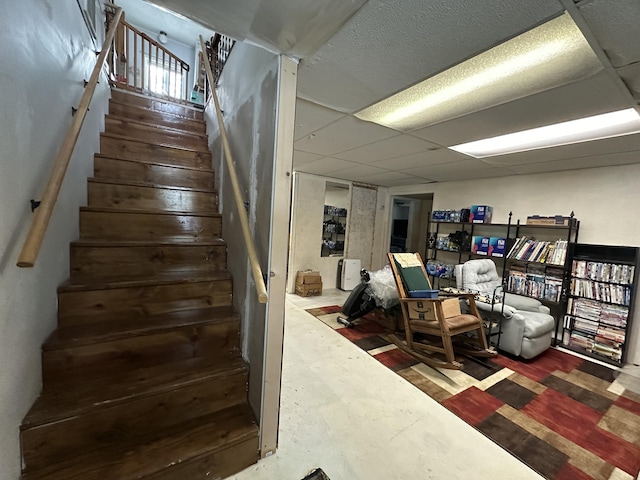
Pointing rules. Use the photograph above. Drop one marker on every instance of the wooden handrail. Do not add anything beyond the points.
(42, 215)
(261, 288)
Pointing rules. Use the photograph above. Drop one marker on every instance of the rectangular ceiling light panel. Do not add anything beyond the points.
(553, 54)
(607, 125)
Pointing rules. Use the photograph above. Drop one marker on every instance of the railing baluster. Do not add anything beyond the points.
(169, 70)
(135, 61)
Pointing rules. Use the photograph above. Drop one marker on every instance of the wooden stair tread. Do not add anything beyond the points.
(204, 149)
(83, 282)
(151, 110)
(116, 92)
(156, 127)
(144, 456)
(62, 400)
(150, 212)
(158, 163)
(147, 243)
(131, 326)
(131, 183)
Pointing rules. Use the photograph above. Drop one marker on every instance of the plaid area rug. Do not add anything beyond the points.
(559, 414)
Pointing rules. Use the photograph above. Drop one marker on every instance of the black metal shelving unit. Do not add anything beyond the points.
(601, 301)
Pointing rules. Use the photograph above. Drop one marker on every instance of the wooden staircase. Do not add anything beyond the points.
(143, 379)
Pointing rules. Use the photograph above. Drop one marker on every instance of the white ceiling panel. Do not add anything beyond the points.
(462, 170)
(359, 171)
(615, 27)
(597, 94)
(344, 134)
(433, 157)
(302, 158)
(358, 52)
(391, 44)
(326, 166)
(407, 181)
(627, 143)
(608, 160)
(398, 146)
(296, 28)
(311, 117)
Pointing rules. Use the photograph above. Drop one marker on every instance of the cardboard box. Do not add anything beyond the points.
(425, 310)
(557, 220)
(308, 276)
(308, 289)
(480, 214)
(480, 245)
(497, 246)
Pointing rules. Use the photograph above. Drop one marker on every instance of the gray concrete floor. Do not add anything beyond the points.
(346, 413)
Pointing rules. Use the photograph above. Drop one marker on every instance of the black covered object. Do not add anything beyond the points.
(359, 303)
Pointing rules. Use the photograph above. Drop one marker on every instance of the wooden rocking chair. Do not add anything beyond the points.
(436, 317)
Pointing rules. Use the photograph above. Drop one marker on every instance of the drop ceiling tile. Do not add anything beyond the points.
(631, 77)
(616, 29)
(344, 134)
(623, 158)
(596, 94)
(302, 158)
(326, 166)
(393, 147)
(407, 181)
(432, 157)
(463, 170)
(311, 117)
(358, 172)
(626, 143)
(388, 175)
(389, 45)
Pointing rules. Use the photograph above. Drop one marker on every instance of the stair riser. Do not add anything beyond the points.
(121, 422)
(217, 341)
(114, 195)
(222, 464)
(157, 118)
(139, 150)
(158, 136)
(150, 173)
(146, 226)
(137, 261)
(156, 105)
(85, 307)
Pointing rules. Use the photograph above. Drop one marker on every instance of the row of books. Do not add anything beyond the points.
(603, 272)
(615, 315)
(531, 250)
(604, 292)
(608, 332)
(595, 344)
(536, 284)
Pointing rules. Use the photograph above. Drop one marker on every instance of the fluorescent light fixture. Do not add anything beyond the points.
(607, 125)
(548, 56)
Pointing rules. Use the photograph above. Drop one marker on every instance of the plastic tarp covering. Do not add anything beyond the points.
(383, 287)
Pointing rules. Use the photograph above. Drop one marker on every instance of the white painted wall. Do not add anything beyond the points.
(251, 94)
(604, 200)
(306, 228)
(46, 53)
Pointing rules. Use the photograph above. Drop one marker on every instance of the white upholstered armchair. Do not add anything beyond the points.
(527, 326)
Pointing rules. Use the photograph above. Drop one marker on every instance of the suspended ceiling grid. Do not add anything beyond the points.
(353, 54)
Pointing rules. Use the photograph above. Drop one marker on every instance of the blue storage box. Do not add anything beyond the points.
(480, 245)
(497, 246)
(481, 214)
(423, 293)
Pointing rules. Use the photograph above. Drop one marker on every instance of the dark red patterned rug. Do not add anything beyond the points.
(563, 416)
